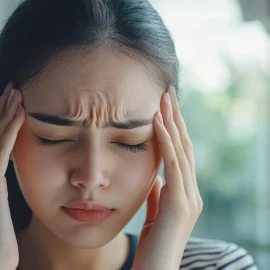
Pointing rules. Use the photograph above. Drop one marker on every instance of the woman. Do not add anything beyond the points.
(87, 140)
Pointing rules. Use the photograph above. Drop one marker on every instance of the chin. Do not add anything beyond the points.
(85, 236)
(89, 242)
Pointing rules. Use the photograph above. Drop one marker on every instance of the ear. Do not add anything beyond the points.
(11, 157)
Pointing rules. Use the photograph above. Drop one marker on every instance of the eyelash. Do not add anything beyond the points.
(132, 148)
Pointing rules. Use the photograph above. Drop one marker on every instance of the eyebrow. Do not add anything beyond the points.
(60, 121)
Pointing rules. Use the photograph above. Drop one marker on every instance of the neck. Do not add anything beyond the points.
(40, 249)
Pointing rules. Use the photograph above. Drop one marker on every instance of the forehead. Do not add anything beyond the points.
(102, 76)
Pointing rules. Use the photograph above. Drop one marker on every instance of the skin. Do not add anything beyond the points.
(172, 208)
(99, 86)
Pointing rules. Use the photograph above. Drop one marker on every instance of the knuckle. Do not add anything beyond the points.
(188, 144)
(179, 149)
(174, 164)
(200, 204)
(194, 210)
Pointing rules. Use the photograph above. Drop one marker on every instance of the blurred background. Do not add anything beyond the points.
(224, 50)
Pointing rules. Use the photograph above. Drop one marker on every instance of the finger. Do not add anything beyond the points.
(4, 97)
(152, 209)
(186, 142)
(10, 110)
(152, 201)
(170, 125)
(8, 137)
(172, 172)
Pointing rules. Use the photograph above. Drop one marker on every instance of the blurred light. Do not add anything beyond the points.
(243, 115)
(206, 34)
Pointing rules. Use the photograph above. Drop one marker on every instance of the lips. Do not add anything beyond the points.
(87, 205)
(88, 211)
(90, 216)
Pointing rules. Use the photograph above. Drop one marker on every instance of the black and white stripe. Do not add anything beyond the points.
(209, 254)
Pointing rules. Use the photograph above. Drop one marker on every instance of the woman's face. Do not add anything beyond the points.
(93, 163)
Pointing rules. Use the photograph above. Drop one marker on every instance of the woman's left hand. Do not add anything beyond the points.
(172, 209)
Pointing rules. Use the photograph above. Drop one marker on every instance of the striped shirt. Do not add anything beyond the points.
(209, 254)
(212, 254)
(206, 254)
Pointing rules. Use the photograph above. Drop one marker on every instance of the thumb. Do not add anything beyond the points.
(152, 209)
(153, 201)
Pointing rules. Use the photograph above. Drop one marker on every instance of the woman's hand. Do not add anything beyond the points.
(10, 124)
(172, 210)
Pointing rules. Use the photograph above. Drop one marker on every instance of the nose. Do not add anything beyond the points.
(90, 172)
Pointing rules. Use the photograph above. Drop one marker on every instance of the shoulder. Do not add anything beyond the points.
(201, 253)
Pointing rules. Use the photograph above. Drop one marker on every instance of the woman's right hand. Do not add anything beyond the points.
(10, 124)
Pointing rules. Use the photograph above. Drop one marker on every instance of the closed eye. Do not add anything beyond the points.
(132, 148)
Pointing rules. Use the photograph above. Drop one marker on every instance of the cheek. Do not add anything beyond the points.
(39, 173)
(135, 176)
(34, 170)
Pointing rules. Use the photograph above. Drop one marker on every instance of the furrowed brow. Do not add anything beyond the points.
(62, 121)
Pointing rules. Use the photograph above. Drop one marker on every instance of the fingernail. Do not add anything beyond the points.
(11, 97)
(159, 118)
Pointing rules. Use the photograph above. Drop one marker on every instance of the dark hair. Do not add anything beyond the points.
(39, 30)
